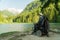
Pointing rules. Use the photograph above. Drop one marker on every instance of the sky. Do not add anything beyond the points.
(17, 4)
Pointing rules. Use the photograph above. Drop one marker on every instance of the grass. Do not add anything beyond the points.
(8, 33)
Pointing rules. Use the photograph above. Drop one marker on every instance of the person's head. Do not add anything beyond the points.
(40, 14)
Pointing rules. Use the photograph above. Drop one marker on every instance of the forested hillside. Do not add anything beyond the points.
(50, 8)
(6, 16)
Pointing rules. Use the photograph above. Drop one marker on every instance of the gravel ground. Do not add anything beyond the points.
(25, 36)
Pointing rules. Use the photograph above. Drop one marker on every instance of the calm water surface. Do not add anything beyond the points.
(14, 27)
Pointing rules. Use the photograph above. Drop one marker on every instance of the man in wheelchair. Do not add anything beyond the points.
(42, 25)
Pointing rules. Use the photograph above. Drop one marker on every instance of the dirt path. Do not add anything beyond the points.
(25, 36)
(53, 36)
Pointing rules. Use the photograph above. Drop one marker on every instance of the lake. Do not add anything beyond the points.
(15, 27)
(23, 27)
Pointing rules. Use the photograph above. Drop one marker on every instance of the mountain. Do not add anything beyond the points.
(11, 11)
(7, 15)
(50, 8)
(14, 11)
